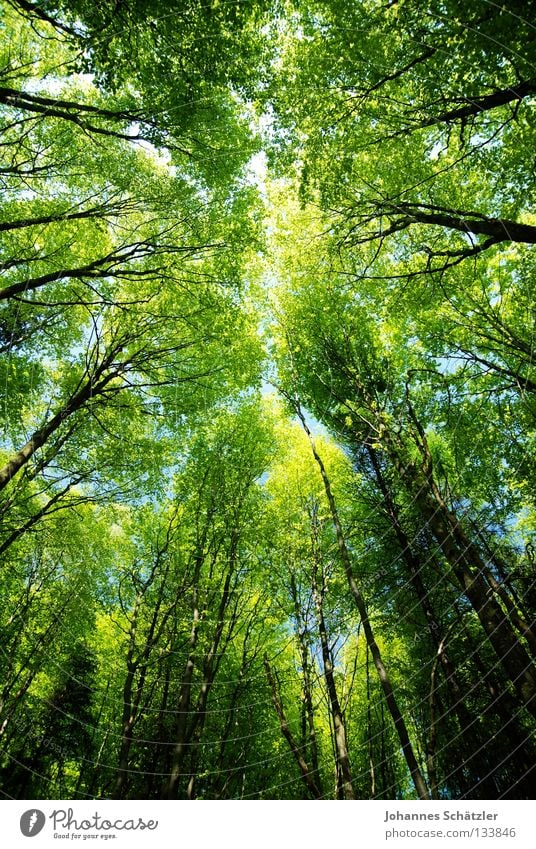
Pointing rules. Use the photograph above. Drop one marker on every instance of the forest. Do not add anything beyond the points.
(268, 399)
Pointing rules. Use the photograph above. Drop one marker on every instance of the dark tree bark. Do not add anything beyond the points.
(345, 789)
(467, 565)
(402, 215)
(394, 710)
(92, 388)
(468, 723)
(305, 770)
(309, 712)
(481, 103)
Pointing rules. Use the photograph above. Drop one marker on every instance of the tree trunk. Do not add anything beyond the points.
(345, 788)
(305, 771)
(307, 683)
(183, 706)
(466, 564)
(89, 390)
(394, 710)
(468, 723)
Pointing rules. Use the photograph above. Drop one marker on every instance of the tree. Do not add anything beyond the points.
(368, 394)
(267, 400)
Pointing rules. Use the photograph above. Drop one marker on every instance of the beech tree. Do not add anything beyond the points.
(267, 400)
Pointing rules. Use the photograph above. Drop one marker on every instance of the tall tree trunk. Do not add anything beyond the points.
(211, 663)
(305, 771)
(370, 751)
(394, 710)
(183, 706)
(309, 713)
(466, 563)
(129, 713)
(345, 789)
(468, 723)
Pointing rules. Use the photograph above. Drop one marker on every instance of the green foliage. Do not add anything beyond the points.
(195, 591)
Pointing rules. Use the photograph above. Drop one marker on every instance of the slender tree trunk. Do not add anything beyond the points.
(469, 724)
(136, 662)
(92, 769)
(309, 713)
(306, 773)
(183, 706)
(394, 710)
(345, 788)
(210, 668)
(129, 712)
(372, 772)
(160, 761)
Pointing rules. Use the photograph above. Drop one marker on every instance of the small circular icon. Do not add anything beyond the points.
(31, 822)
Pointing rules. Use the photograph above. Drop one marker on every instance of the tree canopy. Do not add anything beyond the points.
(268, 405)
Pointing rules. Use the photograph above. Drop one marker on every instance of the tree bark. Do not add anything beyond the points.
(345, 789)
(466, 564)
(394, 710)
(91, 388)
(307, 683)
(483, 103)
(306, 773)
